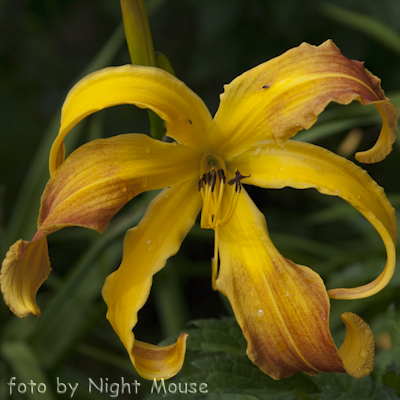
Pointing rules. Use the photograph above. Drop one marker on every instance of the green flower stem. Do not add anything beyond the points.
(140, 45)
(137, 32)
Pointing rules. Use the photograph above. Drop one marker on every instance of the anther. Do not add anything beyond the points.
(213, 179)
(221, 175)
(236, 180)
(206, 178)
(238, 177)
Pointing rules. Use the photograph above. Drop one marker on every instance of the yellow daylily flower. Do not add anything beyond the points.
(282, 308)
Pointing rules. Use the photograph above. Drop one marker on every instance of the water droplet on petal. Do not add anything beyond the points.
(151, 245)
(260, 313)
(258, 151)
(147, 149)
(322, 315)
(363, 353)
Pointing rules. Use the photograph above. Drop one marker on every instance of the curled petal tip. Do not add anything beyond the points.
(159, 362)
(358, 349)
(23, 271)
(387, 137)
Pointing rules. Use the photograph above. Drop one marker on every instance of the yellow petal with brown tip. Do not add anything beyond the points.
(156, 362)
(303, 165)
(23, 271)
(383, 145)
(286, 94)
(101, 176)
(146, 250)
(186, 116)
(282, 307)
(358, 349)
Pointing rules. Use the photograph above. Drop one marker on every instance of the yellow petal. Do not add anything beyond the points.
(302, 165)
(146, 249)
(185, 115)
(156, 362)
(100, 177)
(286, 94)
(358, 349)
(23, 271)
(282, 308)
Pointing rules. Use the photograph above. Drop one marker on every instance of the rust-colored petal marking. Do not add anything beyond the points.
(159, 362)
(286, 94)
(23, 271)
(282, 307)
(101, 176)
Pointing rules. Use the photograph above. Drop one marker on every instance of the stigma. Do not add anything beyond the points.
(213, 188)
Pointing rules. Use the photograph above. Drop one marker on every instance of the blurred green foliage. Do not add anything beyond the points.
(46, 46)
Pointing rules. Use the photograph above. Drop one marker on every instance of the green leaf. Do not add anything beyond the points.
(370, 26)
(26, 369)
(233, 373)
(392, 378)
(338, 386)
(385, 393)
(215, 335)
(22, 222)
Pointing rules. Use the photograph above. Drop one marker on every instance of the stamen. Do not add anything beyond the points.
(212, 186)
(213, 179)
(218, 208)
(221, 175)
(231, 207)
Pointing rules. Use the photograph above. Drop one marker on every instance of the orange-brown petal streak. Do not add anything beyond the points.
(303, 165)
(100, 177)
(286, 94)
(282, 308)
(23, 271)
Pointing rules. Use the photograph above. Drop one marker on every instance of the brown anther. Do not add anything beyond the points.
(213, 179)
(236, 180)
(207, 178)
(221, 175)
(238, 177)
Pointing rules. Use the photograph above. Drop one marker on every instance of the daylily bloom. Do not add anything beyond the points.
(282, 308)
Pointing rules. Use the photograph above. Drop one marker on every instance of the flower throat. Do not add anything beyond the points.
(212, 186)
